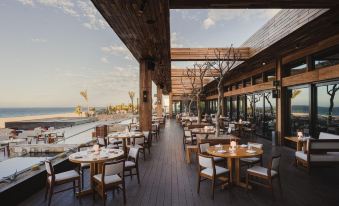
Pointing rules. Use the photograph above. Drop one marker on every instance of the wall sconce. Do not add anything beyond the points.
(144, 96)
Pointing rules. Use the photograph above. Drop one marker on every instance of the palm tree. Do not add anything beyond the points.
(85, 96)
(78, 110)
(131, 95)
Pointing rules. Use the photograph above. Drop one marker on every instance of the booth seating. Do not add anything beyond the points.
(322, 151)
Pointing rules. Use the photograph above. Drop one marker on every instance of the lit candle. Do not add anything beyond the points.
(240, 120)
(233, 144)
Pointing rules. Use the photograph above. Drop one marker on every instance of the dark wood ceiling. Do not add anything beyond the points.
(143, 26)
(221, 4)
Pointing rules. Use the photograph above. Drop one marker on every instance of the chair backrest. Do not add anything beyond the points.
(101, 141)
(146, 134)
(256, 145)
(229, 131)
(231, 125)
(203, 147)
(154, 127)
(139, 140)
(49, 168)
(113, 168)
(274, 164)
(205, 161)
(187, 133)
(133, 153)
(324, 135)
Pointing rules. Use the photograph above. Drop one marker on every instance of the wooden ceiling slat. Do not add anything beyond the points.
(201, 54)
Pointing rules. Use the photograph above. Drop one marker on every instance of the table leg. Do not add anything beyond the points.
(237, 174)
(229, 165)
(124, 146)
(188, 156)
(93, 171)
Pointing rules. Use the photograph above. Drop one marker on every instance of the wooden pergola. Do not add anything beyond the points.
(143, 26)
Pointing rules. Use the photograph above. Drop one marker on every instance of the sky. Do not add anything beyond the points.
(50, 50)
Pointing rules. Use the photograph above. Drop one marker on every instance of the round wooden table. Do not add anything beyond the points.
(124, 136)
(95, 161)
(240, 152)
(240, 126)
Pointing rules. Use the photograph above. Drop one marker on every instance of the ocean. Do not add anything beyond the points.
(31, 111)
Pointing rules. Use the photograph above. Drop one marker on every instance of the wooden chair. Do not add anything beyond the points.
(203, 150)
(208, 170)
(148, 141)
(112, 177)
(102, 142)
(139, 142)
(250, 161)
(3, 149)
(250, 131)
(59, 179)
(132, 163)
(188, 138)
(155, 131)
(265, 174)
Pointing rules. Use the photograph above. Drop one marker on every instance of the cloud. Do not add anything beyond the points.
(117, 50)
(27, 2)
(222, 15)
(81, 9)
(39, 40)
(104, 60)
(175, 40)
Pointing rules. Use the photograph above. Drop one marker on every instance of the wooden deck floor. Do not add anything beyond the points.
(166, 179)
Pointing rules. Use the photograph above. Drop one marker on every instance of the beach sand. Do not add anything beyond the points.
(12, 119)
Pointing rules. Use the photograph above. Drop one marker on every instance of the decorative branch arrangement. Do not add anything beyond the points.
(331, 91)
(222, 66)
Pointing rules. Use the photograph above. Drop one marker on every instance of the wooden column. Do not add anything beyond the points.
(281, 104)
(170, 105)
(159, 101)
(145, 96)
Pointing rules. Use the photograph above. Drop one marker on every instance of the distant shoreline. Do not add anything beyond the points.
(33, 117)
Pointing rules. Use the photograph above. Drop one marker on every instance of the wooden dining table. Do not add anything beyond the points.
(233, 159)
(240, 126)
(124, 136)
(96, 161)
(203, 131)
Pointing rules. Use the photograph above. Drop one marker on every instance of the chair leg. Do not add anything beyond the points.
(246, 181)
(144, 151)
(213, 183)
(50, 194)
(123, 191)
(74, 186)
(137, 171)
(198, 184)
(47, 186)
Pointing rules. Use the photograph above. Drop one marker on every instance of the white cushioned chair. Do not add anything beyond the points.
(58, 179)
(203, 150)
(132, 163)
(112, 177)
(208, 170)
(250, 161)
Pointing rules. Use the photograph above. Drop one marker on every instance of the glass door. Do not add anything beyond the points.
(270, 116)
(258, 100)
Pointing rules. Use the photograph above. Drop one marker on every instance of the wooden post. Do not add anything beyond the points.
(145, 96)
(280, 102)
(159, 101)
(170, 105)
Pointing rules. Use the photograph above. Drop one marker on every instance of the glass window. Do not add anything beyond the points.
(296, 67)
(241, 107)
(258, 79)
(234, 108)
(270, 116)
(239, 85)
(328, 108)
(299, 118)
(270, 75)
(327, 58)
(250, 107)
(247, 82)
(228, 107)
(234, 87)
(259, 112)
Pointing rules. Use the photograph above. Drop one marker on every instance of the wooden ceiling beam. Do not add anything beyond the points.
(203, 54)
